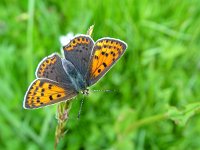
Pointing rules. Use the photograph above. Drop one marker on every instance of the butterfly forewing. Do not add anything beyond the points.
(105, 53)
(51, 68)
(43, 92)
(78, 52)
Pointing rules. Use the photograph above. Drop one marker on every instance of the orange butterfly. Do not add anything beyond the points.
(60, 79)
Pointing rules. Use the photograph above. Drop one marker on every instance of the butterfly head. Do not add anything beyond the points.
(85, 92)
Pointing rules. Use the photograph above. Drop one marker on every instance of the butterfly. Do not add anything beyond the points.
(84, 63)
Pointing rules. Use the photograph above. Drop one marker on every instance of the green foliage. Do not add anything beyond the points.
(182, 116)
(157, 82)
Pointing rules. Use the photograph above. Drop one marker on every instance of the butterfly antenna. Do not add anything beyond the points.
(104, 91)
(79, 112)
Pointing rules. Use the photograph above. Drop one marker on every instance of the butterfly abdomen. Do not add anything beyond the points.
(74, 75)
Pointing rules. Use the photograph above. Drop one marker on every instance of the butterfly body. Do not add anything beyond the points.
(75, 76)
(85, 62)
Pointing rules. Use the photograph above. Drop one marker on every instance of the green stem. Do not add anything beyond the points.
(31, 5)
(146, 121)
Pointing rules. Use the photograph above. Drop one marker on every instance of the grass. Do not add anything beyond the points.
(158, 75)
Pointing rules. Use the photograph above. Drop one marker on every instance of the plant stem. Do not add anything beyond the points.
(146, 121)
(62, 116)
(31, 5)
(63, 111)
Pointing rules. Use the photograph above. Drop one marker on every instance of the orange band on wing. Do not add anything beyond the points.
(77, 40)
(45, 64)
(110, 43)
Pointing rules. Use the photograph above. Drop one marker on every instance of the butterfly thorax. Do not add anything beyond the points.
(76, 78)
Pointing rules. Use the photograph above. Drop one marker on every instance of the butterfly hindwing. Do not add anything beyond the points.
(78, 52)
(105, 53)
(43, 92)
(51, 68)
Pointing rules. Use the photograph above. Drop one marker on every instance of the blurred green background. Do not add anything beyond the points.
(156, 105)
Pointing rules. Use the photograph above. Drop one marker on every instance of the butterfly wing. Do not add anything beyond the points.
(44, 92)
(105, 54)
(78, 52)
(51, 68)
